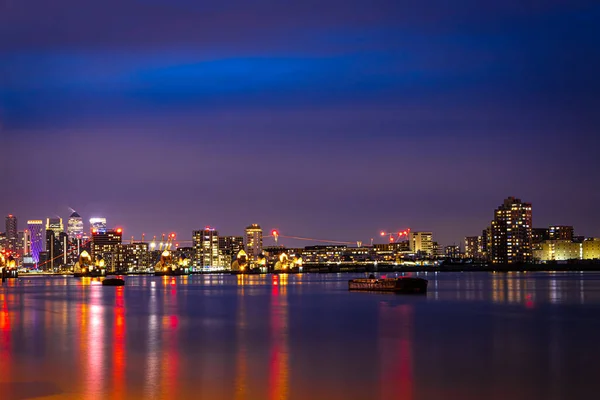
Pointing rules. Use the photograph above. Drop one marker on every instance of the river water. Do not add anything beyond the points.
(473, 336)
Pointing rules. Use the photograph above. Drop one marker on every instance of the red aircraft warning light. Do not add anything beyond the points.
(119, 230)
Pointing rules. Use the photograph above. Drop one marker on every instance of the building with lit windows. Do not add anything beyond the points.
(254, 242)
(475, 247)
(558, 250)
(511, 232)
(55, 224)
(98, 224)
(132, 257)
(421, 243)
(206, 249)
(75, 226)
(560, 232)
(229, 248)
(11, 233)
(591, 249)
(56, 246)
(104, 246)
(538, 235)
(36, 233)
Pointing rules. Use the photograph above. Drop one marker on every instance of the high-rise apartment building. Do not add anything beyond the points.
(11, 233)
(98, 225)
(206, 249)
(75, 226)
(56, 247)
(511, 240)
(104, 245)
(254, 242)
(421, 242)
(475, 247)
(56, 225)
(36, 233)
(229, 247)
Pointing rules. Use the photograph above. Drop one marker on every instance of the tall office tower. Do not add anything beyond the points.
(104, 246)
(36, 231)
(75, 226)
(98, 225)
(11, 233)
(206, 249)
(560, 232)
(512, 233)
(56, 225)
(229, 247)
(56, 246)
(421, 242)
(254, 242)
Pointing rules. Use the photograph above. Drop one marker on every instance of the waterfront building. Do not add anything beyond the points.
(56, 225)
(560, 232)
(591, 249)
(254, 242)
(104, 246)
(452, 251)
(229, 248)
(75, 226)
(206, 249)
(11, 233)
(98, 224)
(56, 246)
(558, 250)
(422, 243)
(324, 254)
(475, 247)
(36, 232)
(512, 233)
(132, 257)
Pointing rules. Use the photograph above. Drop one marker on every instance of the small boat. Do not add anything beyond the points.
(113, 282)
(405, 285)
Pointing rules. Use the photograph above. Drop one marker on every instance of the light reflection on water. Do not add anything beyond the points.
(475, 335)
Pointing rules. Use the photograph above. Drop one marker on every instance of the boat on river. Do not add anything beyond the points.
(406, 285)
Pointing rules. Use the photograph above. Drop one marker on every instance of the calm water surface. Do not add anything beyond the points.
(474, 336)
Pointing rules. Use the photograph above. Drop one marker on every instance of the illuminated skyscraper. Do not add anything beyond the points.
(254, 241)
(98, 225)
(55, 225)
(11, 233)
(206, 249)
(511, 240)
(36, 231)
(75, 226)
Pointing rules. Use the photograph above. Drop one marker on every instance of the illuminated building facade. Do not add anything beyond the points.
(75, 226)
(254, 242)
(11, 233)
(560, 232)
(132, 257)
(229, 248)
(558, 250)
(56, 244)
(104, 246)
(511, 240)
(421, 243)
(36, 232)
(591, 249)
(56, 225)
(452, 251)
(98, 225)
(206, 249)
(475, 247)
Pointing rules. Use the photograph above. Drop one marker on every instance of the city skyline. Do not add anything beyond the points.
(339, 119)
(376, 237)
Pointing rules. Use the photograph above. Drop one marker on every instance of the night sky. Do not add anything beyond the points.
(324, 118)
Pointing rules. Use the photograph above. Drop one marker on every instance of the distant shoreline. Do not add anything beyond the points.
(575, 267)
